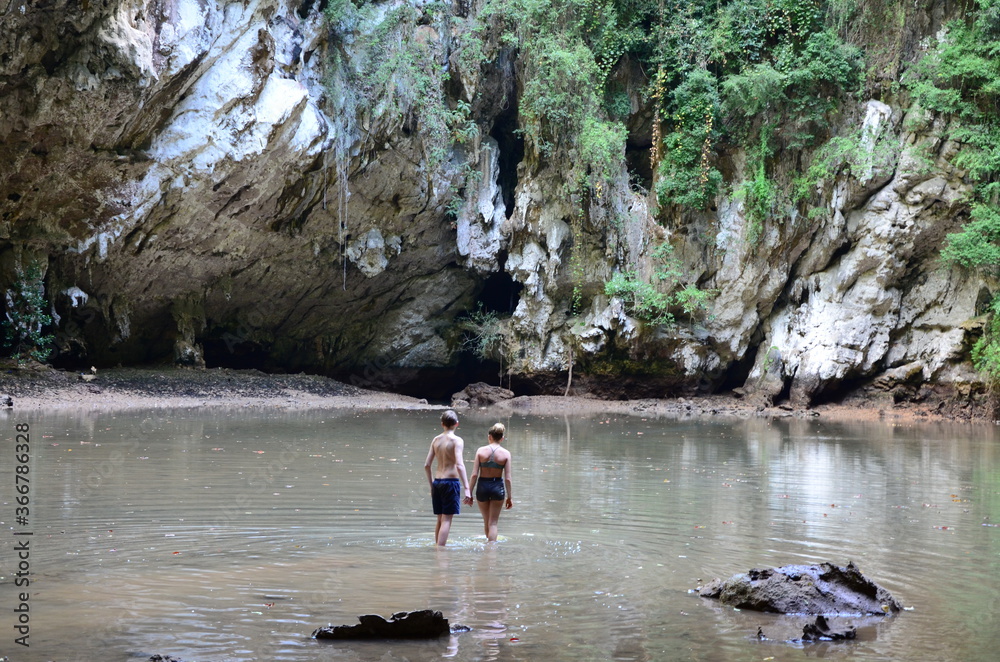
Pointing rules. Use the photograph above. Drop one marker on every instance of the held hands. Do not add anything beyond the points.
(467, 500)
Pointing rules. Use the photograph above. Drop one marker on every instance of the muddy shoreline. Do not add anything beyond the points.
(41, 388)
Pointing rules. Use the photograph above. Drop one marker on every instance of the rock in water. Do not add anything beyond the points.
(821, 631)
(422, 624)
(804, 589)
(481, 394)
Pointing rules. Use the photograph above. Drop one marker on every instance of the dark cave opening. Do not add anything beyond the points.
(231, 350)
(307, 5)
(498, 296)
(511, 148)
(637, 162)
(500, 292)
(738, 373)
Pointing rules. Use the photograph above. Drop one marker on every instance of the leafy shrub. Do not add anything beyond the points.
(27, 317)
(647, 302)
(822, 72)
(642, 300)
(978, 244)
(563, 78)
(760, 88)
(602, 146)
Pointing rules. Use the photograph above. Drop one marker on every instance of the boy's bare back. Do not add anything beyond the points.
(446, 449)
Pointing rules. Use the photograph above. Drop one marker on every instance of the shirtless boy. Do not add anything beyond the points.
(450, 477)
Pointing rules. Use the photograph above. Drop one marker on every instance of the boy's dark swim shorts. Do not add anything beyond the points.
(446, 496)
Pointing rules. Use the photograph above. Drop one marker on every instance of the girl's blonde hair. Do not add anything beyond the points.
(498, 431)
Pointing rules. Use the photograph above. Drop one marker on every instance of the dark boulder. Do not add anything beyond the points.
(481, 394)
(804, 589)
(423, 624)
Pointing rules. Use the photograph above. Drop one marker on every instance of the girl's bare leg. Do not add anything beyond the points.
(491, 528)
(484, 510)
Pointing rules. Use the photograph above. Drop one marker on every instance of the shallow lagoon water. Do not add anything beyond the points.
(230, 535)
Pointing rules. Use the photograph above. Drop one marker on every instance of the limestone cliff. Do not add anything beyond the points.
(244, 183)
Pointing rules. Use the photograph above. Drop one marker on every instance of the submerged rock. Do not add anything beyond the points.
(422, 624)
(824, 589)
(821, 631)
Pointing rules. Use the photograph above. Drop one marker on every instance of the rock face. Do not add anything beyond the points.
(223, 184)
(423, 624)
(823, 589)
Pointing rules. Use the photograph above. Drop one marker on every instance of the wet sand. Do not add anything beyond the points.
(39, 387)
(42, 388)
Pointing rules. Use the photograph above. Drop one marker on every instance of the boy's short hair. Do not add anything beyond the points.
(449, 418)
(497, 431)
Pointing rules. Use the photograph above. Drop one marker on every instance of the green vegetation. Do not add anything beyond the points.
(567, 49)
(685, 176)
(483, 333)
(395, 73)
(960, 77)
(986, 350)
(642, 300)
(27, 317)
(485, 336)
(860, 153)
(648, 302)
(718, 73)
(772, 75)
(759, 193)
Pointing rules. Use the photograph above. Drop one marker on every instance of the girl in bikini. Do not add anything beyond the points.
(490, 480)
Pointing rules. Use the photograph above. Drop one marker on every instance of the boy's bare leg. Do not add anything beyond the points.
(443, 529)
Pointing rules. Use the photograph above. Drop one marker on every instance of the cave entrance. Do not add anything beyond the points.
(498, 298)
(231, 350)
(736, 376)
(511, 148)
(500, 293)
